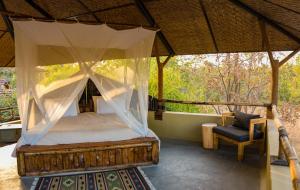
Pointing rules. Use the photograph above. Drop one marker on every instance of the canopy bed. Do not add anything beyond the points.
(54, 62)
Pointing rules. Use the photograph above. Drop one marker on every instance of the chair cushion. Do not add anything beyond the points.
(236, 133)
(242, 120)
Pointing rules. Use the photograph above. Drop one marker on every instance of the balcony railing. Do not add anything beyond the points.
(216, 103)
(287, 149)
(12, 111)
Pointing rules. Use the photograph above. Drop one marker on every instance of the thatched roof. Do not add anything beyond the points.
(187, 26)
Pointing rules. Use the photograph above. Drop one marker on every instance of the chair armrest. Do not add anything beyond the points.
(252, 123)
(225, 116)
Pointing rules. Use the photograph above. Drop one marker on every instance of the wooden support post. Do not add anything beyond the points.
(160, 83)
(160, 86)
(275, 82)
(275, 64)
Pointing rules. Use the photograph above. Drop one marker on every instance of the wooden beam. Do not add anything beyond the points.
(160, 81)
(166, 60)
(271, 22)
(274, 63)
(275, 82)
(7, 22)
(283, 7)
(288, 57)
(39, 9)
(265, 41)
(209, 25)
(142, 8)
(216, 103)
(160, 66)
(88, 9)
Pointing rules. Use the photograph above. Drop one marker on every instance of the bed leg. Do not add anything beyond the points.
(155, 152)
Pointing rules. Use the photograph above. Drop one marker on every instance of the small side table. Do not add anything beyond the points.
(207, 135)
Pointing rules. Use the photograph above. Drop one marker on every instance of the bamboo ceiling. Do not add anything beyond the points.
(186, 26)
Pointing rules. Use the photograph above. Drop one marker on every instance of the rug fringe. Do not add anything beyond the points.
(146, 178)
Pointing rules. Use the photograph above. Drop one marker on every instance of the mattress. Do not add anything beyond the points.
(89, 127)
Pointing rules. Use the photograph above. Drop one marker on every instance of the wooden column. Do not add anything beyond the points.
(160, 86)
(275, 65)
(274, 85)
(160, 80)
(275, 82)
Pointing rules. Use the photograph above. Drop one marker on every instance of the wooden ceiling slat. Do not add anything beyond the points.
(281, 6)
(268, 20)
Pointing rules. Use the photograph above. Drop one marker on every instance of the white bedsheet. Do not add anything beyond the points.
(89, 127)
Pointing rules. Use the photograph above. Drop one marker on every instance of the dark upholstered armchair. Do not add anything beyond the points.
(246, 129)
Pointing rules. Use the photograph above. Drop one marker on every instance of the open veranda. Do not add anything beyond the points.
(82, 91)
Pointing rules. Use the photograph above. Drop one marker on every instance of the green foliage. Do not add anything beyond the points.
(57, 72)
(8, 98)
(243, 77)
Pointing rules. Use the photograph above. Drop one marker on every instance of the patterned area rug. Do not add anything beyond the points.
(122, 179)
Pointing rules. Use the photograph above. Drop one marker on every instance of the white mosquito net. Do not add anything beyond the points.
(55, 60)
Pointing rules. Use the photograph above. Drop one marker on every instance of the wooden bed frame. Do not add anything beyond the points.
(47, 159)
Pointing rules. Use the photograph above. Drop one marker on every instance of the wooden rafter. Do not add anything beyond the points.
(209, 25)
(88, 9)
(288, 57)
(160, 80)
(9, 61)
(265, 41)
(142, 8)
(266, 45)
(274, 63)
(283, 7)
(38, 8)
(8, 23)
(271, 22)
(159, 62)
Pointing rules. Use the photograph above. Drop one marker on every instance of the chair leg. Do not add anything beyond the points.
(241, 148)
(216, 141)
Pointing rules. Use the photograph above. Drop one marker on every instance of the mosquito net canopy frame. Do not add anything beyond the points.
(55, 60)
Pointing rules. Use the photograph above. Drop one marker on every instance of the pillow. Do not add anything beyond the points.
(73, 110)
(242, 120)
(101, 107)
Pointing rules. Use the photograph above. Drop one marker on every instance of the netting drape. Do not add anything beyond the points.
(55, 60)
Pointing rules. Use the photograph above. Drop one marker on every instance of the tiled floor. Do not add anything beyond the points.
(182, 166)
